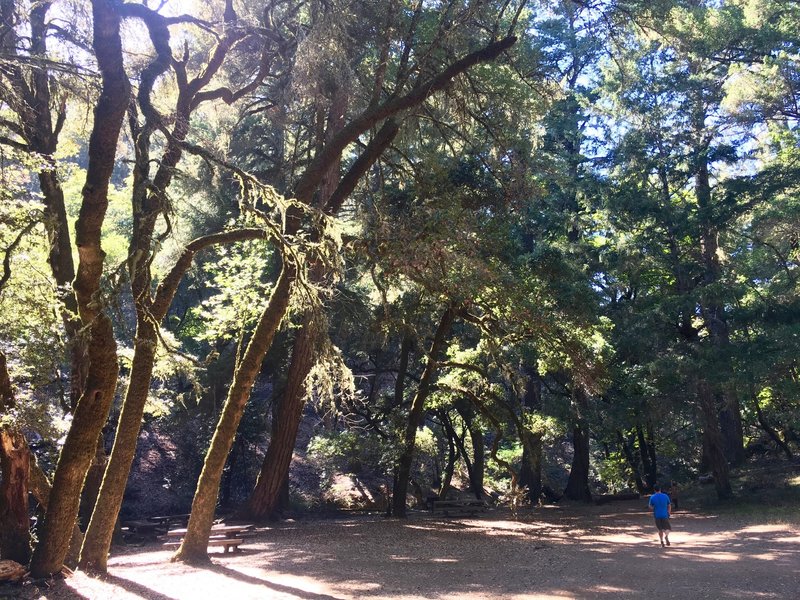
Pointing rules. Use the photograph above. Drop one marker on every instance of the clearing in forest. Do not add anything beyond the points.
(582, 551)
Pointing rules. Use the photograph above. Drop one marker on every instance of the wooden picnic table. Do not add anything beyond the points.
(469, 506)
(227, 536)
(216, 530)
(170, 519)
(144, 529)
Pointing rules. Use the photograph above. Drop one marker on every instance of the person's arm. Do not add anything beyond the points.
(669, 507)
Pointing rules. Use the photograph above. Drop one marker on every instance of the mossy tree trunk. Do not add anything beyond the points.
(265, 497)
(193, 548)
(149, 203)
(92, 409)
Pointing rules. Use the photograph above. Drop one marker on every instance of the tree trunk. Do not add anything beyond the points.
(417, 413)
(15, 539)
(450, 465)
(712, 441)
(78, 451)
(530, 473)
(633, 463)
(93, 407)
(264, 499)
(647, 457)
(193, 548)
(478, 457)
(578, 482)
(100, 531)
(770, 431)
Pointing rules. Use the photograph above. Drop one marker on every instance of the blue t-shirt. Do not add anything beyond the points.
(660, 501)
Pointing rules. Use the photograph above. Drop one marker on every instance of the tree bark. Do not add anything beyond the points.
(193, 548)
(578, 482)
(264, 498)
(452, 454)
(14, 467)
(92, 409)
(712, 441)
(100, 531)
(417, 412)
(15, 539)
(530, 473)
(633, 463)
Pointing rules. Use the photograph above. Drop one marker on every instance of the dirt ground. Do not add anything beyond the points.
(567, 552)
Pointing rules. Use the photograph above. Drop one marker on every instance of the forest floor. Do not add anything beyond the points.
(574, 551)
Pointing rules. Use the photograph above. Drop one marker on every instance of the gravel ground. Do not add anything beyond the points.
(567, 552)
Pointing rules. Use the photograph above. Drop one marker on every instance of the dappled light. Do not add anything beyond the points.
(541, 556)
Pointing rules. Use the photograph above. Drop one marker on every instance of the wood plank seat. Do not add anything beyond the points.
(230, 544)
(463, 506)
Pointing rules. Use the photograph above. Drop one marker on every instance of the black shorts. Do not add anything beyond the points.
(663, 524)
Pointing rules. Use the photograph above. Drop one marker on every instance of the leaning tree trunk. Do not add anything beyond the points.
(193, 548)
(100, 532)
(148, 204)
(92, 409)
(417, 412)
(266, 498)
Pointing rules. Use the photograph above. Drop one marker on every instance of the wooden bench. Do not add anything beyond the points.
(169, 520)
(230, 544)
(228, 536)
(145, 530)
(455, 507)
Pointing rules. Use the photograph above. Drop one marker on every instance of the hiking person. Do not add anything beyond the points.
(662, 509)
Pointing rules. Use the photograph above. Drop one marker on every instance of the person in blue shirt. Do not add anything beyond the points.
(662, 509)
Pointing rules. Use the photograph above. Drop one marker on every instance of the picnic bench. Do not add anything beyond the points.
(227, 536)
(170, 520)
(469, 506)
(143, 529)
(151, 527)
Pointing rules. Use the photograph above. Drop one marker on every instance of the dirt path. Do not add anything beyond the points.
(573, 552)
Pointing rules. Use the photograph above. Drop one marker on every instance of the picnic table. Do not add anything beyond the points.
(468, 506)
(227, 536)
(170, 520)
(143, 529)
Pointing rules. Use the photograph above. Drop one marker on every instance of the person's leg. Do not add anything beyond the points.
(666, 532)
